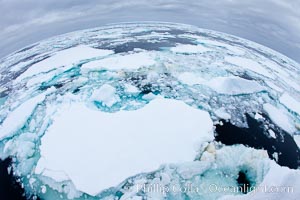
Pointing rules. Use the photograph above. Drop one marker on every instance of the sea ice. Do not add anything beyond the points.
(118, 62)
(187, 48)
(16, 119)
(98, 150)
(248, 65)
(279, 117)
(105, 94)
(234, 85)
(290, 103)
(190, 78)
(64, 58)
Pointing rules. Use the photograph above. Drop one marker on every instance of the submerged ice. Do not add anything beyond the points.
(109, 112)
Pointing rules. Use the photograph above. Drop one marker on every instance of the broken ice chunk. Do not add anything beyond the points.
(290, 103)
(130, 88)
(234, 85)
(16, 119)
(106, 94)
(279, 117)
(190, 78)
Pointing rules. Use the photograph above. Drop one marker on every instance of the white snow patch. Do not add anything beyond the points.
(188, 48)
(64, 58)
(290, 103)
(105, 94)
(118, 62)
(99, 150)
(234, 85)
(279, 117)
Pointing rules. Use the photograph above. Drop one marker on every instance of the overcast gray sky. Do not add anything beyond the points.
(273, 23)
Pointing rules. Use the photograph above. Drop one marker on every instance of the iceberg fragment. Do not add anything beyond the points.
(234, 85)
(290, 103)
(106, 94)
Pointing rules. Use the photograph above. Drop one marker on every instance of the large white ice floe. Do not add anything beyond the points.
(107, 113)
(248, 64)
(99, 150)
(17, 118)
(189, 49)
(280, 118)
(64, 58)
(130, 61)
(234, 85)
(290, 103)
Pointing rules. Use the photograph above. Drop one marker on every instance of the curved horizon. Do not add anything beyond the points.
(24, 23)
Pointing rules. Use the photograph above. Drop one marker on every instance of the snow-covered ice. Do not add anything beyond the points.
(221, 113)
(290, 103)
(98, 150)
(64, 58)
(280, 118)
(248, 64)
(187, 48)
(130, 61)
(234, 85)
(106, 94)
(17, 118)
(190, 78)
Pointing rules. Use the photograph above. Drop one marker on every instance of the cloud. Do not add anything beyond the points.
(274, 23)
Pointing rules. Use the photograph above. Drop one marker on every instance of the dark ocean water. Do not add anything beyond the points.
(256, 136)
